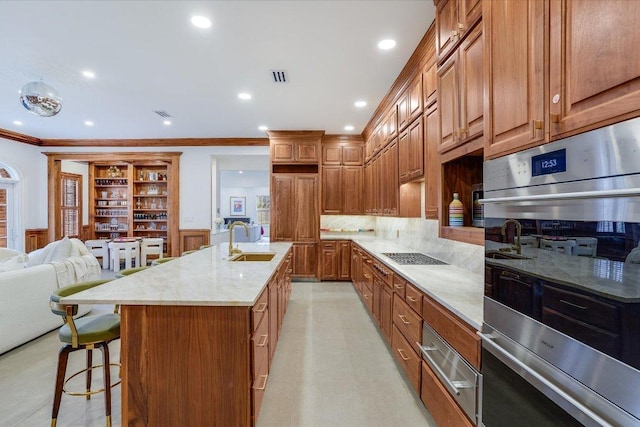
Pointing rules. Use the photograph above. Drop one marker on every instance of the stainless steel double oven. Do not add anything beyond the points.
(561, 332)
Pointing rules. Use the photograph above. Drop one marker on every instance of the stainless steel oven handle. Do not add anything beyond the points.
(599, 194)
(488, 339)
(453, 386)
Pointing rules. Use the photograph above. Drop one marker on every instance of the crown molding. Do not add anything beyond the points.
(20, 137)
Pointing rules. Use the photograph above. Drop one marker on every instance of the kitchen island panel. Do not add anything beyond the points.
(186, 365)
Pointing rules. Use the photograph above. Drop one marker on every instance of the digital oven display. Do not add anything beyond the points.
(548, 163)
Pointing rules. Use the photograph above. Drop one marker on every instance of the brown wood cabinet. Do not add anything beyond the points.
(295, 216)
(294, 151)
(432, 162)
(514, 70)
(411, 152)
(594, 64)
(342, 179)
(335, 260)
(382, 182)
(593, 70)
(460, 93)
(410, 103)
(454, 18)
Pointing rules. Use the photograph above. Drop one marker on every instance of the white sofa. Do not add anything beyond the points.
(25, 292)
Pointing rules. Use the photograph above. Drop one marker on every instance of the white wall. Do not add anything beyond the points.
(31, 167)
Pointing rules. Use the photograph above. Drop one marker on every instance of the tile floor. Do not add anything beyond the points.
(331, 368)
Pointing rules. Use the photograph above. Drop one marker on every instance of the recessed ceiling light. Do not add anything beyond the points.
(387, 44)
(17, 122)
(263, 127)
(167, 122)
(201, 21)
(88, 123)
(360, 104)
(348, 128)
(89, 74)
(244, 96)
(240, 172)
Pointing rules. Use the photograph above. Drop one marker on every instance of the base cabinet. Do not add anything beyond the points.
(173, 356)
(444, 410)
(335, 259)
(304, 260)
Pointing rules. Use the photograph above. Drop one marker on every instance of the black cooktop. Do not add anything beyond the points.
(413, 258)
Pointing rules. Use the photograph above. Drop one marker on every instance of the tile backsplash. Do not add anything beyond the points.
(417, 234)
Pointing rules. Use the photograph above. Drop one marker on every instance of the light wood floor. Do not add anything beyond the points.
(331, 368)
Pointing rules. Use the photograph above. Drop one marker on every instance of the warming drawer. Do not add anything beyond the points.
(460, 379)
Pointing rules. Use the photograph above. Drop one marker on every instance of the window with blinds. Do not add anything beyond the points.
(71, 204)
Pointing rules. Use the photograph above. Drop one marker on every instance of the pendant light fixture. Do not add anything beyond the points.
(40, 99)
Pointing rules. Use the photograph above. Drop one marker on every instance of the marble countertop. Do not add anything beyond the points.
(459, 290)
(205, 277)
(611, 279)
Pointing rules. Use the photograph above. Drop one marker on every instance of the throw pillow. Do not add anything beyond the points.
(14, 263)
(39, 256)
(62, 250)
(8, 253)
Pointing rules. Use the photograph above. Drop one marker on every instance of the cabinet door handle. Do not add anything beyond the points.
(264, 382)
(368, 276)
(264, 340)
(398, 286)
(510, 275)
(454, 34)
(405, 358)
(404, 319)
(261, 310)
(412, 299)
(581, 307)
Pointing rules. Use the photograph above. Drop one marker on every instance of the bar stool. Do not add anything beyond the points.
(86, 333)
(562, 246)
(100, 249)
(585, 246)
(162, 260)
(151, 246)
(126, 251)
(130, 271)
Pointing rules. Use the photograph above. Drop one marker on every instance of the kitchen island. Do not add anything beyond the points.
(197, 335)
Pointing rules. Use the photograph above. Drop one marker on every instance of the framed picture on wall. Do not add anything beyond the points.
(238, 206)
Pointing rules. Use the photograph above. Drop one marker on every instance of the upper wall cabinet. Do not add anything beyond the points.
(410, 104)
(593, 69)
(294, 147)
(460, 93)
(454, 19)
(594, 64)
(342, 154)
(514, 71)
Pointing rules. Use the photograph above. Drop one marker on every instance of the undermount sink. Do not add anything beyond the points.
(503, 255)
(254, 256)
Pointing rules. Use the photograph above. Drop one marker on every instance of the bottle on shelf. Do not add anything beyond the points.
(456, 212)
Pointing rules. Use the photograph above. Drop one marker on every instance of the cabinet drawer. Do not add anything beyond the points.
(582, 307)
(260, 345)
(408, 322)
(259, 308)
(413, 298)
(367, 297)
(443, 408)
(257, 389)
(407, 357)
(458, 334)
(399, 286)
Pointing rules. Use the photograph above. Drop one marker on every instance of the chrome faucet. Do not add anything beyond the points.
(233, 250)
(517, 246)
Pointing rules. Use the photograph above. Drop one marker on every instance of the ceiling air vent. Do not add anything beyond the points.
(162, 113)
(279, 76)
